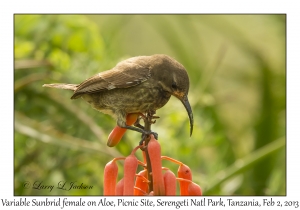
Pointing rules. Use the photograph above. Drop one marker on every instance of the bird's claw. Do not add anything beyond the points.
(146, 134)
(137, 124)
(142, 141)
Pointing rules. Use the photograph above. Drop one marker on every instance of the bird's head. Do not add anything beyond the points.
(175, 80)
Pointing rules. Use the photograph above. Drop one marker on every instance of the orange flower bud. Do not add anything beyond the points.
(117, 133)
(120, 187)
(115, 136)
(142, 192)
(194, 189)
(170, 183)
(155, 158)
(110, 178)
(130, 166)
(184, 172)
(140, 183)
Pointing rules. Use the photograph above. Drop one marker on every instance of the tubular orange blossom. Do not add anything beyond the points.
(110, 178)
(117, 133)
(184, 172)
(155, 158)
(140, 183)
(170, 183)
(120, 187)
(194, 189)
(130, 166)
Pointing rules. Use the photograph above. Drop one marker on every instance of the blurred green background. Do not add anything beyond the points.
(236, 65)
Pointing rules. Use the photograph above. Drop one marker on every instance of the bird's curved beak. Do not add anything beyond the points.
(188, 108)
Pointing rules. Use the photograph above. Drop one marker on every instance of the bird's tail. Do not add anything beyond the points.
(62, 86)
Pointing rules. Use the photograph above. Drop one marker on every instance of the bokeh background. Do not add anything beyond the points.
(237, 69)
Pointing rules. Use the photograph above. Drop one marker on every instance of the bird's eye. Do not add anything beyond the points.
(174, 86)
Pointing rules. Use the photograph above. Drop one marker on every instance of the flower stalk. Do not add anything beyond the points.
(154, 179)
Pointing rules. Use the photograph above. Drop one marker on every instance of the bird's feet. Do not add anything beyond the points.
(146, 134)
(150, 116)
(137, 123)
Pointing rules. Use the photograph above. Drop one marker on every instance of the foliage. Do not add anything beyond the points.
(236, 65)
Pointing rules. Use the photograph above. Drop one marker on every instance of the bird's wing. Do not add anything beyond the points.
(126, 74)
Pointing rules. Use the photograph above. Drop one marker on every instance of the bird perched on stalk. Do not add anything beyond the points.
(137, 85)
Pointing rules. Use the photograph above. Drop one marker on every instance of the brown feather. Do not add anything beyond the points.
(125, 74)
(62, 86)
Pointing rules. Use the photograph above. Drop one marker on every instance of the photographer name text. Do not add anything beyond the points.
(62, 185)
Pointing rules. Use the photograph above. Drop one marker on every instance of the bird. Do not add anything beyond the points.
(140, 84)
